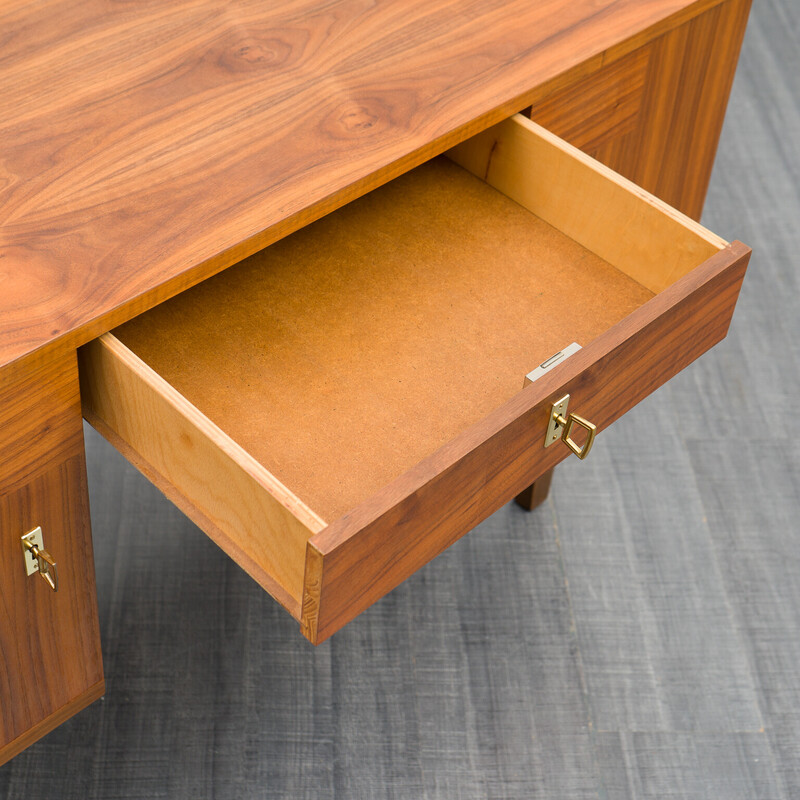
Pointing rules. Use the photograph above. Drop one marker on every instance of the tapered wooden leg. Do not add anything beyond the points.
(536, 493)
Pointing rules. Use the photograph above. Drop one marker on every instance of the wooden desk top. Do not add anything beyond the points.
(145, 146)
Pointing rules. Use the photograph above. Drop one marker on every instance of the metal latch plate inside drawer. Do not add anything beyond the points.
(554, 360)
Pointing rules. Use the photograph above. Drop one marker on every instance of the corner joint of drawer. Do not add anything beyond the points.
(312, 591)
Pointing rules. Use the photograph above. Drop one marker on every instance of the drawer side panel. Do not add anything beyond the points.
(183, 454)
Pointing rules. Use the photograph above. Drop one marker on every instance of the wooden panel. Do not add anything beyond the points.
(670, 149)
(609, 215)
(598, 108)
(248, 513)
(34, 733)
(40, 417)
(50, 661)
(213, 130)
(360, 558)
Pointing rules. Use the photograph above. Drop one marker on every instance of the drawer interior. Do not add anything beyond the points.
(346, 353)
(332, 362)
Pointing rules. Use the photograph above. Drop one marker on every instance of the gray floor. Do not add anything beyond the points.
(637, 637)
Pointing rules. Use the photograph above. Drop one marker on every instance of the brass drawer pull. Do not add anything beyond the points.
(560, 428)
(37, 559)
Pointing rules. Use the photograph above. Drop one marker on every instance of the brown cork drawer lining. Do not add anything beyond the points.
(337, 359)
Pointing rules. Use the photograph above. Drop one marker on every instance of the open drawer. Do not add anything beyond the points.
(339, 408)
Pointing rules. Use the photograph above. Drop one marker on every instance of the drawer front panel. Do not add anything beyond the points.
(50, 661)
(358, 559)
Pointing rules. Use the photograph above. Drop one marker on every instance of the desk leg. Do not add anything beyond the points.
(536, 493)
(50, 660)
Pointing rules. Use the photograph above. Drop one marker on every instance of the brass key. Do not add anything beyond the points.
(37, 559)
(560, 427)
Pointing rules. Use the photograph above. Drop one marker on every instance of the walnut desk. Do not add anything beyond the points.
(347, 401)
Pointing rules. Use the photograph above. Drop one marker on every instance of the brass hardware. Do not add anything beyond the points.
(591, 430)
(560, 428)
(37, 559)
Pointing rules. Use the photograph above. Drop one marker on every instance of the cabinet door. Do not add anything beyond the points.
(50, 660)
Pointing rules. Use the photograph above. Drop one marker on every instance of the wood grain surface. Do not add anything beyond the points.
(148, 146)
(40, 417)
(654, 115)
(668, 98)
(50, 661)
(49, 723)
(638, 233)
(417, 516)
(597, 109)
(49, 641)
